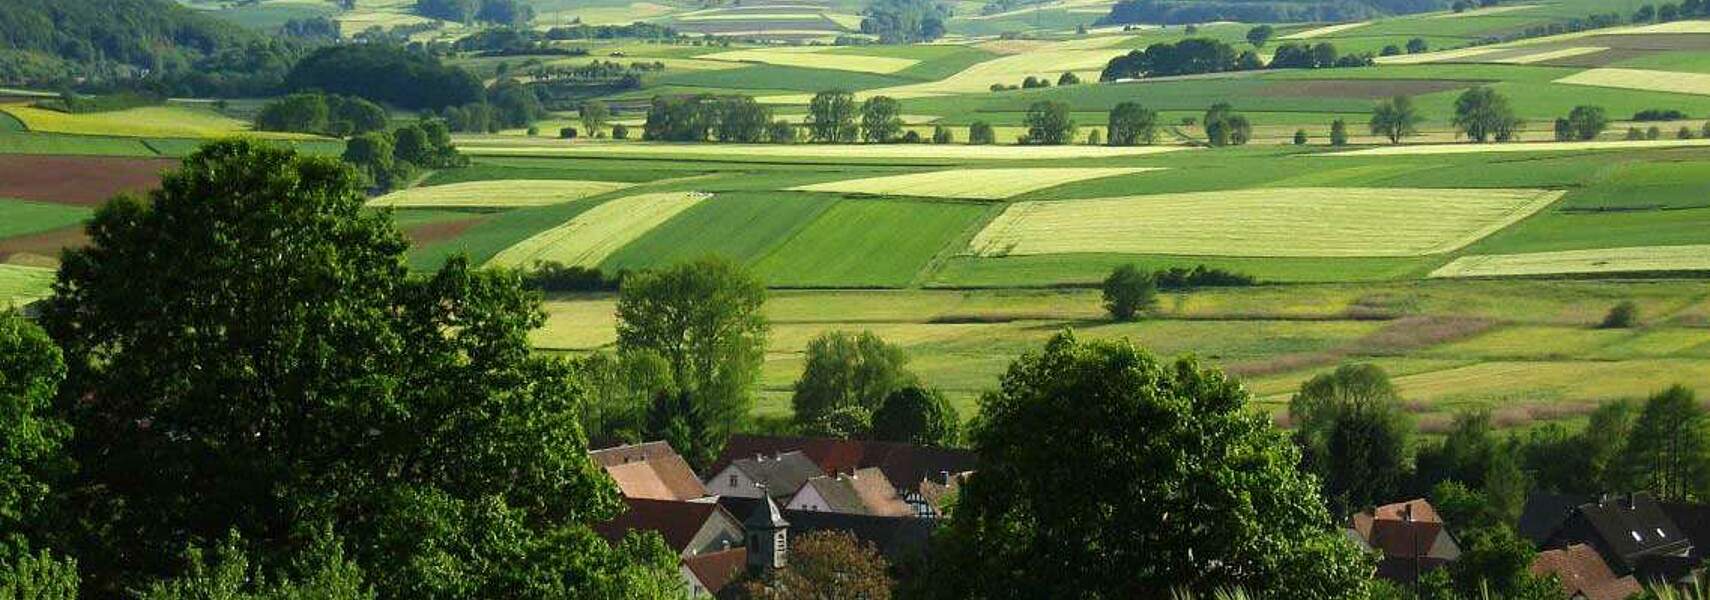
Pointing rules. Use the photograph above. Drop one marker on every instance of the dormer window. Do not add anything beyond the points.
(1660, 533)
(1636, 536)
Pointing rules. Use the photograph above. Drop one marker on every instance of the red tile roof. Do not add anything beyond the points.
(1401, 530)
(677, 522)
(716, 570)
(1582, 572)
(651, 470)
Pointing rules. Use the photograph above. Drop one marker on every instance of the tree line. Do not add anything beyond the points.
(1194, 56)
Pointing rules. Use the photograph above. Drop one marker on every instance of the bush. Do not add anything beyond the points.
(1654, 133)
(942, 135)
(1300, 137)
(534, 131)
(553, 276)
(1095, 139)
(1338, 133)
(1127, 291)
(1417, 45)
(620, 132)
(1659, 114)
(980, 132)
(1068, 78)
(1685, 133)
(1390, 50)
(1621, 316)
(1176, 278)
(568, 133)
(911, 137)
(1633, 133)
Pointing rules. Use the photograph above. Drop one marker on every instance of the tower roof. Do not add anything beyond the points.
(766, 517)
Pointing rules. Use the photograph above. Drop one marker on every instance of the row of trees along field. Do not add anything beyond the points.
(1204, 55)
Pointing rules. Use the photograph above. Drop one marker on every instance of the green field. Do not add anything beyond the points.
(19, 284)
(867, 243)
(29, 217)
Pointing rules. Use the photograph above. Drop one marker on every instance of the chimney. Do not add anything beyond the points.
(1407, 512)
(1631, 502)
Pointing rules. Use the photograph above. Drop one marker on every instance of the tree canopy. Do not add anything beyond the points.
(1200, 492)
(848, 370)
(1396, 118)
(385, 73)
(1483, 115)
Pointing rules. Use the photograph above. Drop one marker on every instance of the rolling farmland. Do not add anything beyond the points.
(1647, 259)
(509, 193)
(595, 234)
(975, 184)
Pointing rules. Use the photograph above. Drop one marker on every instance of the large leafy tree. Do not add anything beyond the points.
(247, 352)
(1049, 123)
(1353, 434)
(1128, 291)
(825, 565)
(881, 119)
(831, 117)
(31, 459)
(703, 319)
(1107, 473)
(1395, 118)
(917, 415)
(1132, 125)
(847, 370)
(1483, 115)
(1668, 451)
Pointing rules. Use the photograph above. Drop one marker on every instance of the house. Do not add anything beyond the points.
(777, 475)
(651, 471)
(905, 465)
(1409, 537)
(709, 574)
(689, 528)
(1584, 575)
(1693, 521)
(1632, 534)
(860, 492)
(897, 538)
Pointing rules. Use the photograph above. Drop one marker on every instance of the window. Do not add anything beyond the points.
(733, 480)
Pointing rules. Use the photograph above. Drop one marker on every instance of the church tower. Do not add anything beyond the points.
(768, 536)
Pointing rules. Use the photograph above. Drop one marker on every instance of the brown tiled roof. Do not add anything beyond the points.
(1582, 572)
(1398, 534)
(651, 470)
(904, 464)
(716, 570)
(677, 522)
(864, 492)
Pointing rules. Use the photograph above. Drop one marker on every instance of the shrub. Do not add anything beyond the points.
(1068, 78)
(1621, 316)
(1417, 45)
(1659, 114)
(1685, 133)
(911, 137)
(942, 135)
(1300, 137)
(1176, 278)
(620, 132)
(568, 133)
(980, 132)
(553, 276)
(1127, 291)
(534, 131)
(1633, 133)
(1390, 50)
(1654, 133)
(1338, 133)
(1095, 138)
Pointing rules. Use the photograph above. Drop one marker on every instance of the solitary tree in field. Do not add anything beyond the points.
(1396, 118)
(1261, 35)
(1210, 495)
(881, 120)
(831, 117)
(1048, 123)
(594, 115)
(1417, 45)
(1225, 127)
(1338, 132)
(1586, 122)
(1127, 291)
(1484, 115)
(1132, 124)
(980, 133)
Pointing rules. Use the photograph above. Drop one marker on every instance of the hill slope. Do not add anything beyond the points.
(1263, 11)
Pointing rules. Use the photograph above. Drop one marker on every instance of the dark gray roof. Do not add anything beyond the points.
(898, 538)
(766, 516)
(782, 474)
(1545, 513)
(1634, 526)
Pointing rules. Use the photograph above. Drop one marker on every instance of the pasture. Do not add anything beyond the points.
(1281, 222)
(148, 121)
(507, 193)
(973, 184)
(591, 236)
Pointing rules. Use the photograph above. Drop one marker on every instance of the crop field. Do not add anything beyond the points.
(1297, 222)
(741, 226)
(816, 57)
(1549, 55)
(590, 237)
(507, 193)
(1642, 259)
(974, 184)
(1642, 79)
(20, 284)
(1428, 149)
(77, 180)
(867, 243)
(737, 152)
(1324, 31)
(23, 217)
(147, 121)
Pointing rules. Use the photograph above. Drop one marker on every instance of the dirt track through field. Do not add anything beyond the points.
(77, 180)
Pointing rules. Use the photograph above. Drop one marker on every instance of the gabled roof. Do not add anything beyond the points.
(782, 474)
(766, 516)
(717, 570)
(1633, 526)
(897, 538)
(676, 521)
(651, 470)
(1694, 521)
(1583, 573)
(1404, 530)
(1545, 513)
(864, 492)
(906, 465)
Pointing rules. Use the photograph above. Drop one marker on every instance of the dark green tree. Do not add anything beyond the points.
(703, 318)
(1300, 137)
(881, 120)
(831, 117)
(1225, 127)
(917, 415)
(1417, 45)
(1353, 435)
(1495, 563)
(1587, 122)
(1209, 494)
(848, 369)
(1049, 123)
(1260, 35)
(1338, 132)
(1395, 118)
(31, 434)
(1128, 291)
(411, 144)
(1668, 452)
(981, 133)
(281, 367)
(1484, 115)
(688, 424)
(1132, 124)
(320, 571)
(741, 119)
(373, 156)
(302, 113)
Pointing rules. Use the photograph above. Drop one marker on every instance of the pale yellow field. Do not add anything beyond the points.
(21, 284)
(1642, 79)
(1431, 57)
(1552, 382)
(1468, 148)
(1603, 260)
(725, 16)
(977, 184)
(352, 23)
(671, 64)
(607, 15)
(591, 236)
(507, 193)
(1049, 61)
(1536, 57)
(814, 57)
(1485, 12)
(1687, 26)
(817, 151)
(1324, 31)
(1281, 222)
(147, 121)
